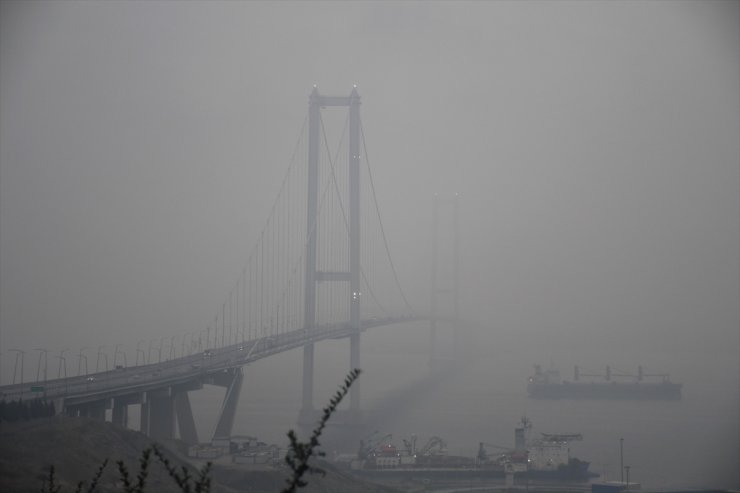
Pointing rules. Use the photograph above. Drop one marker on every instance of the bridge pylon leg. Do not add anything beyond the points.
(308, 356)
(144, 417)
(185, 421)
(354, 362)
(222, 433)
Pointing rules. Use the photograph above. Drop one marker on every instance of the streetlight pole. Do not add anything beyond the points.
(21, 353)
(161, 343)
(173, 353)
(97, 361)
(80, 357)
(149, 351)
(627, 468)
(115, 354)
(59, 372)
(38, 369)
(139, 350)
(621, 460)
(62, 359)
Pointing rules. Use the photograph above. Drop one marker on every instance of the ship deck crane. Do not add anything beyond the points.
(435, 446)
(577, 373)
(561, 437)
(410, 445)
(641, 375)
(372, 443)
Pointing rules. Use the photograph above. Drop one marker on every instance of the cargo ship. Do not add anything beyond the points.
(548, 384)
(547, 458)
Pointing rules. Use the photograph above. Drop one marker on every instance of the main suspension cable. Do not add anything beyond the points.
(382, 229)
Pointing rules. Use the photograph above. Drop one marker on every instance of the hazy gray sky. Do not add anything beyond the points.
(595, 145)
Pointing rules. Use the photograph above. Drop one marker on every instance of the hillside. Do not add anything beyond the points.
(77, 446)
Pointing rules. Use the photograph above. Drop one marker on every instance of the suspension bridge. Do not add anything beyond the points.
(321, 269)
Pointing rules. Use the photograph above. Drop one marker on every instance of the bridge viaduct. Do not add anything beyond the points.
(161, 389)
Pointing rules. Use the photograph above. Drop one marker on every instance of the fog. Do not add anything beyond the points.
(594, 146)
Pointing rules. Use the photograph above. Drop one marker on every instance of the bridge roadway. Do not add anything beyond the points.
(95, 386)
(93, 393)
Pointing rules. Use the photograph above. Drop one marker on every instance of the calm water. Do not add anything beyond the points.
(692, 443)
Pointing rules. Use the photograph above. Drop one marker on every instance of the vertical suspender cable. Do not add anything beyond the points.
(244, 302)
(261, 284)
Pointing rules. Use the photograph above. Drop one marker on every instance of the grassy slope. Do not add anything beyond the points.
(77, 446)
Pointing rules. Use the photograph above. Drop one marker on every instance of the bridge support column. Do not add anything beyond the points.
(161, 417)
(144, 418)
(71, 411)
(185, 421)
(354, 362)
(157, 415)
(222, 434)
(307, 403)
(119, 415)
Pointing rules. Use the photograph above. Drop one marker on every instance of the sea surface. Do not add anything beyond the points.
(688, 444)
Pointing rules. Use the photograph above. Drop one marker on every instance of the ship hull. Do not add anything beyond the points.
(463, 468)
(597, 390)
(454, 474)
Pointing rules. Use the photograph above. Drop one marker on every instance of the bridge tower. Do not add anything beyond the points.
(448, 292)
(312, 276)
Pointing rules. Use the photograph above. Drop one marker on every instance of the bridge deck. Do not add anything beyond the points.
(198, 367)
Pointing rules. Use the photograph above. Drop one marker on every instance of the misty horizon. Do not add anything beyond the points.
(594, 147)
